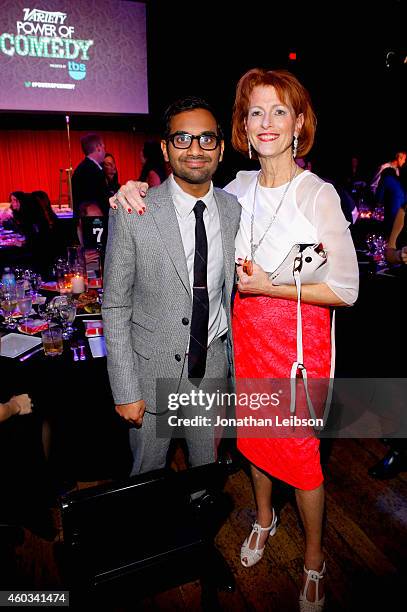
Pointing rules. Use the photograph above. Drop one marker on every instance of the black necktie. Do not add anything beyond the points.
(198, 342)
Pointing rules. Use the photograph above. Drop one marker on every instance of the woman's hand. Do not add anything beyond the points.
(257, 282)
(130, 196)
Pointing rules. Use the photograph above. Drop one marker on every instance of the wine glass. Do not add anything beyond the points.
(67, 312)
(44, 311)
(8, 304)
(24, 306)
(20, 289)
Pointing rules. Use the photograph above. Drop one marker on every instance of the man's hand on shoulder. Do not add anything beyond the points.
(133, 413)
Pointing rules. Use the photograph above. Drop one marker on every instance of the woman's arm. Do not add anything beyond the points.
(260, 283)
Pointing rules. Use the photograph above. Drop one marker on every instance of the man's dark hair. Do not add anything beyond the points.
(89, 142)
(187, 104)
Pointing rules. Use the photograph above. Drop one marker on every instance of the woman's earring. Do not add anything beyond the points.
(250, 148)
(295, 146)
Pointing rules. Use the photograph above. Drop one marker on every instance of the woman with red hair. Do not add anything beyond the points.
(284, 205)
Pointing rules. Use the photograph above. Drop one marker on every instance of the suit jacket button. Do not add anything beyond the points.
(185, 321)
(178, 357)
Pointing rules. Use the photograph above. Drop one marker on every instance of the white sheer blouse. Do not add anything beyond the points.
(310, 213)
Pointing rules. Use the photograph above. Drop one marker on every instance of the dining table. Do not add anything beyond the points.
(71, 393)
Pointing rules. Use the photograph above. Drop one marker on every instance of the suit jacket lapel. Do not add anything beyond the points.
(228, 239)
(165, 218)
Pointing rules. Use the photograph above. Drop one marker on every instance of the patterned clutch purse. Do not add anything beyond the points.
(308, 259)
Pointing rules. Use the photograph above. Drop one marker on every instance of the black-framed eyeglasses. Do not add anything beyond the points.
(183, 140)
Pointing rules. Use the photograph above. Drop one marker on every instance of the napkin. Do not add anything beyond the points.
(33, 326)
(97, 346)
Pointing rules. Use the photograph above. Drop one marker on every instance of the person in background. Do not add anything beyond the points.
(111, 174)
(398, 160)
(45, 230)
(154, 170)
(25, 490)
(88, 180)
(33, 217)
(395, 460)
(16, 217)
(396, 251)
(50, 220)
(391, 195)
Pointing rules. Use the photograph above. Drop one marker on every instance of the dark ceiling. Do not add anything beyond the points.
(202, 48)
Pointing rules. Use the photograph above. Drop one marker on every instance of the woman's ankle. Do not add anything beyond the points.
(314, 561)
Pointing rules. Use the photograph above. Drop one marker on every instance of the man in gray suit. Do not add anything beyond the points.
(168, 282)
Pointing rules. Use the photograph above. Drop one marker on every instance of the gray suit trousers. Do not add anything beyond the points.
(150, 452)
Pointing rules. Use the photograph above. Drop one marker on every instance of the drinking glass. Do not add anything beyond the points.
(24, 306)
(67, 313)
(379, 243)
(44, 311)
(20, 289)
(36, 281)
(8, 304)
(76, 257)
(64, 275)
(370, 239)
(52, 341)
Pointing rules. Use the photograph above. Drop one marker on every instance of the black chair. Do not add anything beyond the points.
(126, 540)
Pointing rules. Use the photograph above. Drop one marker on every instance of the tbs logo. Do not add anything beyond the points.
(77, 71)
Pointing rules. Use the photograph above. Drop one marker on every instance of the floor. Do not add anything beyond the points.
(365, 543)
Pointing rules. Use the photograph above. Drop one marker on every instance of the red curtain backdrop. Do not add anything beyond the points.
(30, 160)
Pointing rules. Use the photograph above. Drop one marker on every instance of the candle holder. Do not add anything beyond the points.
(78, 282)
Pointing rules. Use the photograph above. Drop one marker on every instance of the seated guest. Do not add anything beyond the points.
(48, 231)
(397, 162)
(92, 228)
(42, 231)
(24, 489)
(111, 175)
(16, 217)
(395, 460)
(396, 251)
(41, 199)
(391, 195)
(33, 217)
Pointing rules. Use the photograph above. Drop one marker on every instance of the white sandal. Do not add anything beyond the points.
(318, 604)
(253, 555)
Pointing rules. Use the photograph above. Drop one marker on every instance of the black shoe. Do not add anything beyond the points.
(388, 467)
(217, 573)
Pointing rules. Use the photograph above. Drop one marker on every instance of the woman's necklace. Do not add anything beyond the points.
(253, 246)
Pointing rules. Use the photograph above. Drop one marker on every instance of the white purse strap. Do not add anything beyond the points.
(299, 363)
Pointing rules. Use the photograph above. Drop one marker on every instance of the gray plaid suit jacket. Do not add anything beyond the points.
(147, 293)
